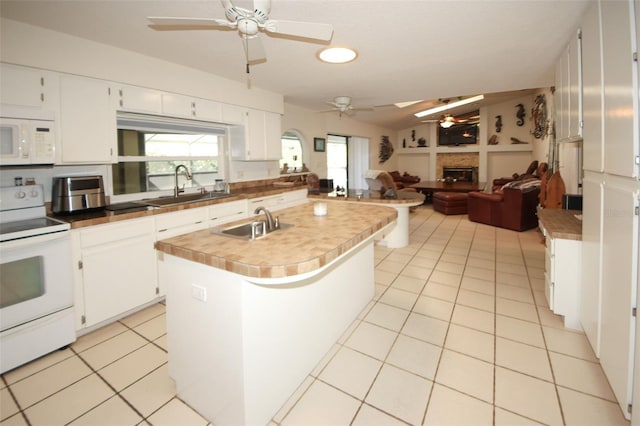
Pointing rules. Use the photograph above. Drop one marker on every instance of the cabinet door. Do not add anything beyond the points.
(88, 131)
(574, 92)
(263, 138)
(256, 147)
(139, 99)
(233, 114)
(118, 269)
(208, 110)
(591, 259)
(181, 222)
(593, 148)
(562, 97)
(227, 212)
(273, 136)
(619, 286)
(178, 105)
(620, 149)
(21, 86)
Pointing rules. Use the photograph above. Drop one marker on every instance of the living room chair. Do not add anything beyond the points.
(514, 207)
(381, 180)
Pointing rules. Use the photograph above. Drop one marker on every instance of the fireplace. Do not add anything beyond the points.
(461, 174)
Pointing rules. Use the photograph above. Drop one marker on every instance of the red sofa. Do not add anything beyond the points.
(511, 208)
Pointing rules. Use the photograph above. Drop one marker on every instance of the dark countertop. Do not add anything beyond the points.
(132, 210)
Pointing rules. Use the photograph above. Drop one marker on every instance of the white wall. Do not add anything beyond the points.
(312, 124)
(40, 48)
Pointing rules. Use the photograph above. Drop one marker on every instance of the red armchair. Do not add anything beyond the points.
(511, 208)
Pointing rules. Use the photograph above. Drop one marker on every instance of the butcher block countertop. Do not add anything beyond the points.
(313, 241)
(560, 223)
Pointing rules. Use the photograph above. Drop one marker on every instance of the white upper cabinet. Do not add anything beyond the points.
(568, 96)
(593, 148)
(28, 87)
(261, 141)
(618, 77)
(139, 99)
(185, 106)
(87, 122)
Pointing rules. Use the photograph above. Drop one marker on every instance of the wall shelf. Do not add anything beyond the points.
(417, 150)
(517, 147)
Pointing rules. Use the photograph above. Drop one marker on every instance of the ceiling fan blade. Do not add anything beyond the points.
(300, 29)
(261, 9)
(171, 24)
(254, 50)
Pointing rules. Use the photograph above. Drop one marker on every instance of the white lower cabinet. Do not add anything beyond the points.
(227, 212)
(181, 222)
(116, 268)
(562, 279)
(279, 201)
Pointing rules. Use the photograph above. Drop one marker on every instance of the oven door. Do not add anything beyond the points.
(35, 278)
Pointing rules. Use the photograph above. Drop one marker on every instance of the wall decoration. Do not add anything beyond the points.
(413, 135)
(539, 117)
(319, 144)
(493, 140)
(386, 149)
(422, 142)
(498, 123)
(520, 114)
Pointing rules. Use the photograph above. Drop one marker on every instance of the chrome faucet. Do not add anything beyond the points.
(177, 190)
(271, 225)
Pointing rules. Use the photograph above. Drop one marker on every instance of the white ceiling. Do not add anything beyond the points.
(408, 49)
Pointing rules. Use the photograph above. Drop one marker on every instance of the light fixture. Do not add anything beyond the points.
(337, 55)
(448, 106)
(447, 121)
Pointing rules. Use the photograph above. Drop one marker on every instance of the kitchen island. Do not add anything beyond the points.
(247, 321)
(398, 236)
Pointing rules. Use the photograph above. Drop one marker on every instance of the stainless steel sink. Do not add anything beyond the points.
(181, 199)
(250, 230)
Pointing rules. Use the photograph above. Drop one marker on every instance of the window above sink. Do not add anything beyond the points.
(150, 148)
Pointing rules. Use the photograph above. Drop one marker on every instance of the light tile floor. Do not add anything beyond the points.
(459, 333)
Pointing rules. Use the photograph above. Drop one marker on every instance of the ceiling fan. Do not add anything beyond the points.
(249, 24)
(342, 104)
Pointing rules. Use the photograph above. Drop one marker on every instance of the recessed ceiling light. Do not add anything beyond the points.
(337, 55)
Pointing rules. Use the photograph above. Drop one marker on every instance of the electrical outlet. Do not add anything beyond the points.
(198, 292)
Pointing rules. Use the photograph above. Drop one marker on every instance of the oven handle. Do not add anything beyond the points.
(36, 239)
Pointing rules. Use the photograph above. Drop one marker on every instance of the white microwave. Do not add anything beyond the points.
(26, 141)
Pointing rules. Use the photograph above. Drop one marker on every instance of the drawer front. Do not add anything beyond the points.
(182, 218)
(232, 208)
(103, 234)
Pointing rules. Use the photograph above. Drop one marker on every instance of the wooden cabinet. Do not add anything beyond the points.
(260, 140)
(28, 87)
(117, 269)
(87, 122)
(568, 96)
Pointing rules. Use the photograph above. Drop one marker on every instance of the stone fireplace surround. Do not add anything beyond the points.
(461, 160)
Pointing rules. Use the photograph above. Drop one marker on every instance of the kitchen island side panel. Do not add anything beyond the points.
(238, 356)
